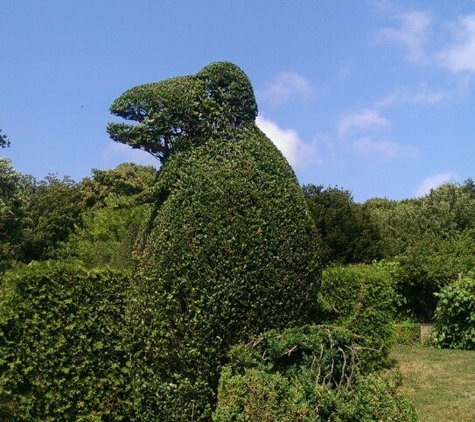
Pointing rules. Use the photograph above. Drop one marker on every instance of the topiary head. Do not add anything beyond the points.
(180, 113)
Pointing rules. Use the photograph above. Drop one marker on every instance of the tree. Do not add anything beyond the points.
(432, 239)
(348, 231)
(11, 212)
(231, 250)
(114, 216)
(52, 211)
(179, 113)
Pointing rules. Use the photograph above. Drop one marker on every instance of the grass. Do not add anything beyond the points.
(440, 383)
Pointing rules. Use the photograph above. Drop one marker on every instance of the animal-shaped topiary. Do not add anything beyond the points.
(231, 251)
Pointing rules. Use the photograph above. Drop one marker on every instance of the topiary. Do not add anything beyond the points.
(231, 250)
(455, 315)
(63, 354)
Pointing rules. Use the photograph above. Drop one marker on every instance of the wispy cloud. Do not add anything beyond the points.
(411, 34)
(286, 86)
(288, 142)
(459, 56)
(358, 134)
(361, 121)
(422, 95)
(382, 150)
(434, 181)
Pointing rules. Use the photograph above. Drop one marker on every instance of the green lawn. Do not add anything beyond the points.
(440, 383)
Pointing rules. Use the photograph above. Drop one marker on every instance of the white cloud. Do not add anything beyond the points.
(116, 153)
(411, 35)
(382, 151)
(422, 95)
(361, 121)
(288, 142)
(460, 56)
(287, 85)
(433, 182)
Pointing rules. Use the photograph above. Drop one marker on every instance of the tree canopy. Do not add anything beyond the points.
(177, 113)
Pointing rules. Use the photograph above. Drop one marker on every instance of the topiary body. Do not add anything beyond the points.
(230, 251)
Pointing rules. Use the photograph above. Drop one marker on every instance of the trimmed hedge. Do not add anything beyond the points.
(361, 299)
(306, 374)
(232, 253)
(63, 355)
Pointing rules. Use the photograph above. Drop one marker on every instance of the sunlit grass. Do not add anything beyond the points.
(440, 383)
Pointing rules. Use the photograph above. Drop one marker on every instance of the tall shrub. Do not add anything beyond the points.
(361, 299)
(455, 315)
(62, 351)
(231, 250)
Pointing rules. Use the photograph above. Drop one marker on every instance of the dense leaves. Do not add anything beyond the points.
(182, 112)
(360, 298)
(62, 346)
(306, 374)
(432, 240)
(231, 250)
(4, 141)
(231, 254)
(455, 315)
(348, 231)
(11, 213)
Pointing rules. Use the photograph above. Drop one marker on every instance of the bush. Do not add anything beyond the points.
(407, 333)
(231, 250)
(232, 254)
(455, 315)
(62, 349)
(306, 374)
(361, 299)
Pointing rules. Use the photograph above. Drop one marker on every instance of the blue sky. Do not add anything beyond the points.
(374, 96)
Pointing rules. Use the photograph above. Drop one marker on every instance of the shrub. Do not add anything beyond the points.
(455, 315)
(361, 299)
(230, 249)
(407, 333)
(62, 350)
(232, 253)
(306, 374)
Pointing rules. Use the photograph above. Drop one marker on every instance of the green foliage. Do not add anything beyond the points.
(231, 249)
(407, 333)
(62, 346)
(231, 254)
(11, 213)
(432, 239)
(348, 231)
(115, 216)
(306, 374)
(53, 209)
(361, 299)
(183, 112)
(455, 315)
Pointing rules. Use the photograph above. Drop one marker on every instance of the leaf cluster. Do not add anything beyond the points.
(184, 112)
(63, 352)
(455, 315)
(309, 373)
(361, 299)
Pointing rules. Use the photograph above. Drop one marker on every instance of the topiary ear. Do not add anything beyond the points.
(231, 89)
